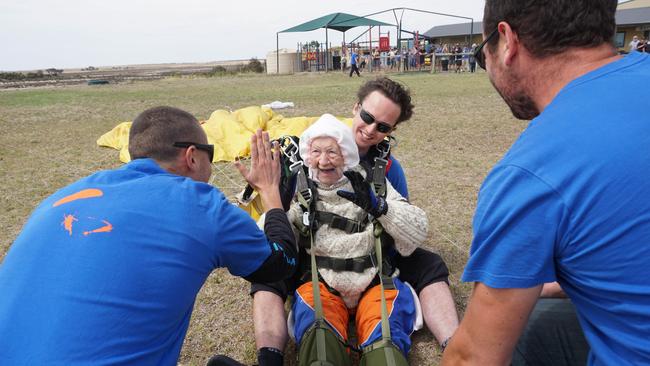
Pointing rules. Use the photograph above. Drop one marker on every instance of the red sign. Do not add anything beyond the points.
(384, 44)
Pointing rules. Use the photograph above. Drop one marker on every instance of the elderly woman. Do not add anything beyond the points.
(330, 153)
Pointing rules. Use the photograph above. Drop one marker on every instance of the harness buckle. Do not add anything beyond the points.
(306, 194)
(383, 147)
(358, 264)
(305, 218)
(295, 166)
(289, 148)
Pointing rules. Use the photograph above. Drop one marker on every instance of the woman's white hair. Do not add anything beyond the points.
(329, 126)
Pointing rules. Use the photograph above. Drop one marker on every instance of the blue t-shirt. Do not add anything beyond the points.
(570, 202)
(106, 270)
(395, 175)
(353, 58)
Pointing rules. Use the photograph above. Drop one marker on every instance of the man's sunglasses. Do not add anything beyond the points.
(479, 56)
(204, 147)
(370, 119)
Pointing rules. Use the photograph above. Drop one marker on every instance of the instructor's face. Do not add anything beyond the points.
(512, 86)
(383, 110)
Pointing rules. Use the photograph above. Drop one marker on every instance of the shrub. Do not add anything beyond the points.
(254, 65)
(11, 76)
(35, 75)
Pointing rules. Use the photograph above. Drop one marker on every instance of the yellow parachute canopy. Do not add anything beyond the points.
(230, 133)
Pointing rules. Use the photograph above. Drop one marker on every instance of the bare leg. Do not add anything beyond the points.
(269, 320)
(439, 310)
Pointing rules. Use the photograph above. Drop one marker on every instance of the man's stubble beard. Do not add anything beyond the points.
(520, 103)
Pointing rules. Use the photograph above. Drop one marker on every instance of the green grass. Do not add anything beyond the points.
(460, 129)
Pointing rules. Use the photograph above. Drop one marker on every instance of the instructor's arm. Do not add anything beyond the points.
(264, 177)
(491, 327)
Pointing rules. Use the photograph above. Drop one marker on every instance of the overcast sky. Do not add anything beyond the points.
(39, 34)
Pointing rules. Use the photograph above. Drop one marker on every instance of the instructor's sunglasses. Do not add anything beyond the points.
(203, 147)
(370, 119)
(478, 53)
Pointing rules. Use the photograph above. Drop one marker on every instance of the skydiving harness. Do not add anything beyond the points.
(312, 219)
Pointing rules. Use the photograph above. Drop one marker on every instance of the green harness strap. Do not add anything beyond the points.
(385, 326)
(321, 347)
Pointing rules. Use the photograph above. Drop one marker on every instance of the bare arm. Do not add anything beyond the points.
(491, 327)
(552, 289)
(264, 173)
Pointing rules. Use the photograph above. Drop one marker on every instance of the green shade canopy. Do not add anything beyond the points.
(338, 21)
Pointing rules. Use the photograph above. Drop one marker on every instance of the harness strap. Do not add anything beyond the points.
(339, 222)
(358, 264)
(311, 221)
(321, 349)
(379, 344)
(379, 176)
(305, 194)
(385, 327)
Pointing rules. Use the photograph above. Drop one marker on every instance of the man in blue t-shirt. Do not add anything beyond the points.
(107, 269)
(569, 201)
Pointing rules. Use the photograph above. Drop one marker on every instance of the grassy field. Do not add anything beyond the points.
(461, 127)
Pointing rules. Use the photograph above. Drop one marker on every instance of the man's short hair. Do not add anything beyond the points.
(391, 90)
(154, 131)
(549, 27)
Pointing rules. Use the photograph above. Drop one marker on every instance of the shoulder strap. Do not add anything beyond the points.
(385, 282)
(321, 345)
(379, 176)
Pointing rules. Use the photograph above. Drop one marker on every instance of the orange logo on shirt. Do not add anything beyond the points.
(67, 223)
(104, 229)
(69, 219)
(83, 194)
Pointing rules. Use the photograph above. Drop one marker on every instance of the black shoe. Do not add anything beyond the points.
(222, 360)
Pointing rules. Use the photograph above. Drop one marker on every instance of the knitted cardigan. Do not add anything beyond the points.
(406, 223)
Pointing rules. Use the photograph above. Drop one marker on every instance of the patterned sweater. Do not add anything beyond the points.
(406, 223)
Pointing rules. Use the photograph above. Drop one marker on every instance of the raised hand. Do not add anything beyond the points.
(264, 172)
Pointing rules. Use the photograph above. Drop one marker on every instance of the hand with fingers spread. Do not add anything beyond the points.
(264, 173)
(363, 195)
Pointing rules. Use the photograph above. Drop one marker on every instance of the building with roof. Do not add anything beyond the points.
(632, 19)
(463, 33)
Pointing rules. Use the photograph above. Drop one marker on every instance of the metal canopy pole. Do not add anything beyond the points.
(471, 33)
(370, 48)
(326, 50)
(277, 53)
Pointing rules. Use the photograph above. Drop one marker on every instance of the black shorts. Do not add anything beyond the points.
(420, 269)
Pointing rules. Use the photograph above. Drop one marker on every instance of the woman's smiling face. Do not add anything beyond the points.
(326, 160)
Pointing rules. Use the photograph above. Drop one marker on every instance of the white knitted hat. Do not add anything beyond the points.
(329, 126)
